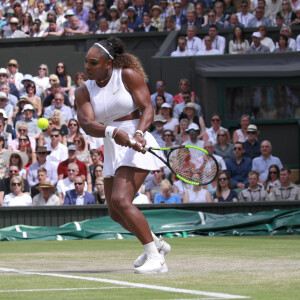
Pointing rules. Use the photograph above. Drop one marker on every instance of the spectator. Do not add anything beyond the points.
(229, 7)
(4, 79)
(5, 129)
(224, 192)
(287, 13)
(18, 113)
(287, 190)
(207, 48)
(244, 15)
(160, 90)
(220, 12)
(212, 20)
(2, 151)
(294, 4)
(18, 10)
(169, 139)
(259, 18)
(60, 16)
(80, 11)
(159, 101)
(73, 129)
(286, 30)
(42, 80)
(92, 22)
(61, 70)
(261, 164)
(194, 44)
(40, 13)
(134, 20)
(82, 148)
(22, 130)
(97, 173)
(76, 27)
(53, 29)
(5, 187)
(197, 194)
(183, 136)
(58, 123)
(13, 100)
(16, 158)
(62, 169)
(59, 105)
(223, 147)
(44, 137)
(194, 131)
(158, 122)
(36, 30)
(14, 32)
(252, 145)
(208, 146)
(201, 16)
(296, 21)
(172, 123)
(190, 113)
(186, 6)
(8, 108)
(183, 85)
(46, 195)
(146, 26)
(156, 19)
(42, 162)
(25, 147)
(212, 187)
(213, 131)
(124, 26)
(152, 186)
(238, 167)
(68, 14)
(273, 7)
(273, 179)
(178, 16)
(256, 46)
(283, 45)
(59, 152)
(14, 76)
(17, 197)
(122, 8)
(169, 24)
(191, 21)
(113, 19)
(268, 42)
(141, 8)
(279, 20)
(166, 195)
(218, 42)
(241, 135)
(182, 48)
(41, 176)
(99, 193)
(53, 90)
(234, 22)
(103, 27)
(255, 192)
(78, 196)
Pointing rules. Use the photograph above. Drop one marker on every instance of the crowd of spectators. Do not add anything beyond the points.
(61, 165)
(40, 18)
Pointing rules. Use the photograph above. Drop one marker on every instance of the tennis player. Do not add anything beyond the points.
(115, 103)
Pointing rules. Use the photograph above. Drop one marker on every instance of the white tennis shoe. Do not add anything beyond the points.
(162, 247)
(153, 265)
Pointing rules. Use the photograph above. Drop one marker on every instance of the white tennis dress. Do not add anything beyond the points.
(111, 103)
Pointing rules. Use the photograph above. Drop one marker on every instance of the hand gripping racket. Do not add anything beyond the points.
(190, 164)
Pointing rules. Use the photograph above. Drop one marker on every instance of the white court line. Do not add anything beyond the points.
(131, 284)
(66, 289)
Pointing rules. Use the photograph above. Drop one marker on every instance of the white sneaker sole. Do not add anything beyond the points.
(163, 269)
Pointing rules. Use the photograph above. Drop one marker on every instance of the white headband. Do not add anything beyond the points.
(103, 48)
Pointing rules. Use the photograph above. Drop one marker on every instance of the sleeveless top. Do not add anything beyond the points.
(241, 137)
(112, 101)
(197, 197)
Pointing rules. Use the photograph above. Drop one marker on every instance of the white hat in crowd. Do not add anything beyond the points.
(3, 95)
(166, 105)
(28, 107)
(192, 126)
(257, 34)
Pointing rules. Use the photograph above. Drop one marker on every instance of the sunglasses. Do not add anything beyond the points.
(215, 120)
(251, 132)
(78, 183)
(16, 184)
(167, 134)
(58, 99)
(159, 84)
(100, 5)
(13, 171)
(12, 65)
(207, 41)
(74, 124)
(43, 153)
(54, 135)
(43, 69)
(60, 67)
(221, 134)
(2, 100)
(155, 172)
(77, 141)
(22, 130)
(222, 179)
(52, 79)
(237, 148)
(23, 140)
(272, 172)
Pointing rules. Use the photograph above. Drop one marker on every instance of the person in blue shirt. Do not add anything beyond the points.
(166, 195)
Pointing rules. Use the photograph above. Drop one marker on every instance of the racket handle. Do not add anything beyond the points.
(146, 148)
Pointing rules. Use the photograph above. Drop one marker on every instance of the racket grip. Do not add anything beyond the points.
(135, 142)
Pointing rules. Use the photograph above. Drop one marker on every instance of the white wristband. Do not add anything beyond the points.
(140, 132)
(109, 131)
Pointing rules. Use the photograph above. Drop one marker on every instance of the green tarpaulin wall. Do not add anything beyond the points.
(167, 222)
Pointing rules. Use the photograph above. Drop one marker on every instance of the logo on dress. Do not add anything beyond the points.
(116, 91)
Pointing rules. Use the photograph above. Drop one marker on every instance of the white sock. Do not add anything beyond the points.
(156, 240)
(151, 249)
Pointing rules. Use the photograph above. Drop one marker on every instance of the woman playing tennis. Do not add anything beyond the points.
(115, 103)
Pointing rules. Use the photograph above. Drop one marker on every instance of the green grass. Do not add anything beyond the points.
(259, 267)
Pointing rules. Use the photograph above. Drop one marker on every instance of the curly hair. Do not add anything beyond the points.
(121, 60)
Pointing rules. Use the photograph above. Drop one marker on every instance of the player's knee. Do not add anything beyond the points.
(120, 202)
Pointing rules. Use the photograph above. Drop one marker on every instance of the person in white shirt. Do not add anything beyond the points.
(268, 42)
(208, 49)
(212, 132)
(244, 16)
(194, 131)
(59, 152)
(181, 50)
(218, 42)
(208, 146)
(194, 44)
(46, 195)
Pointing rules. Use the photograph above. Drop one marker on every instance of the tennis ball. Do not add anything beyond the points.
(43, 123)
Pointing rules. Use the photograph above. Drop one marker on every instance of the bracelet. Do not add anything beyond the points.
(116, 133)
(140, 132)
(109, 131)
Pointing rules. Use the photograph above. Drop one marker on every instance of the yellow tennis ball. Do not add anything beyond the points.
(43, 123)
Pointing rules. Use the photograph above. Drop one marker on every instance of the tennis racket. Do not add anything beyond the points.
(190, 164)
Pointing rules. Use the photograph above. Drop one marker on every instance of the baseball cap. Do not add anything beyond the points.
(28, 107)
(166, 105)
(192, 126)
(72, 147)
(252, 128)
(256, 34)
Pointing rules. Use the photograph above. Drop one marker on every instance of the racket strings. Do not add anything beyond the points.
(193, 165)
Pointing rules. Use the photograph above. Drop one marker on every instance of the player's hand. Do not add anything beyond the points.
(121, 138)
(140, 143)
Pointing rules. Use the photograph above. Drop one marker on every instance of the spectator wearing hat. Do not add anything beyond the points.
(5, 129)
(53, 29)
(158, 122)
(40, 13)
(194, 131)
(92, 22)
(14, 76)
(178, 16)
(5, 183)
(256, 46)
(190, 113)
(16, 158)
(259, 18)
(172, 123)
(17, 7)
(76, 27)
(4, 79)
(20, 106)
(113, 19)
(46, 196)
(27, 79)
(33, 129)
(81, 12)
(146, 25)
(68, 14)
(41, 176)
(36, 30)
(134, 20)
(78, 196)
(12, 99)
(32, 176)
(13, 31)
(156, 20)
(160, 90)
(252, 145)
(181, 49)
(21, 130)
(8, 108)
(62, 169)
